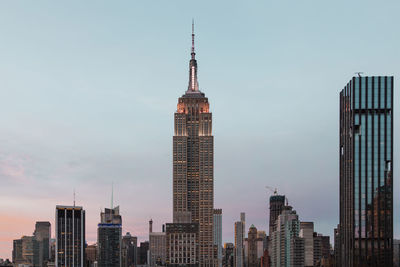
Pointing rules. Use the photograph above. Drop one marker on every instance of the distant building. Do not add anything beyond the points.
(264, 261)
(109, 238)
(157, 247)
(336, 243)
(43, 235)
(365, 168)
(286, 248)
(322, 248)
(91, 255)
(239, 241)
(217, 233)
(228, 257)
(276, 204)
(307, 233)
(252, 257)
(143, 253)
(17, 252)
(262, 236)
(182, 244)
(26, 251)
(70, 236)
(129, 250)
(296, 252)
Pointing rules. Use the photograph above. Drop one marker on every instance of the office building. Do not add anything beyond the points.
(286, 248)
(43, 235)
(70, 236)
(217, 233)
(17, 251)
(109, 238)
(91, 255)
(252, 252)
(366, 164)
(239, 241)
(129, 250)
(143, 253)
(157, 247)
(193, 164)
(228, 255)
(307, 233)
(26, 251)
(322, 248)
(182, 244)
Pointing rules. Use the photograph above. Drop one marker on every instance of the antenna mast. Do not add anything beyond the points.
(112, 195)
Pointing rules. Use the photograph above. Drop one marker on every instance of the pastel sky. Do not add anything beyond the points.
(88, 90)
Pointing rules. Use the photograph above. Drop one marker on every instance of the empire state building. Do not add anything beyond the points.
(193, 164)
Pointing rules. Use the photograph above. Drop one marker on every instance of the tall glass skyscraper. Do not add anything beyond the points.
(109, 238)
(366, 172)
(70, 236)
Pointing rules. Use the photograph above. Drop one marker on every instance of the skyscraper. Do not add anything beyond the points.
(129, 250)
(366, 164)
(252, 256)
(307, 233)
(43, 234)
(239, 241)
(109, 238)
(70, 236)
(286, 247)
(217, 224)
(276, 203)
(193, 164)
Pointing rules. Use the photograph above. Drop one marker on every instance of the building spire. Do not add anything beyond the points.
(193, 53)
(193, 83)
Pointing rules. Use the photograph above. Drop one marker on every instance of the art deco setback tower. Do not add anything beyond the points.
(366, 180)
(193, 164)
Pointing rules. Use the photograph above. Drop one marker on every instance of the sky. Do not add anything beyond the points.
(88, 91)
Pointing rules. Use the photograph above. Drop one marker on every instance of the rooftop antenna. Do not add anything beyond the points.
(193, 53)
(112, 195)
(359, 73)
(74, 196)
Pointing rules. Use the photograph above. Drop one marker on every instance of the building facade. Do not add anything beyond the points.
(228, 255)
(252, 250)
(286, 248)
(276, 203)
(129, 250)
(91, 255)
(182, 244)
(217, 233)
(43, 235)
(307, 233)
(70, 236)
(366, 172)
(193, 164)
(109, 238)
(158, 249)
(143, 253)
(239, 241)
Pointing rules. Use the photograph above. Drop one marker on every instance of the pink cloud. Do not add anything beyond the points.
(13, 167)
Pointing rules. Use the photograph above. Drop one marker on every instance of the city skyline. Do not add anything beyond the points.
(89, 117)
